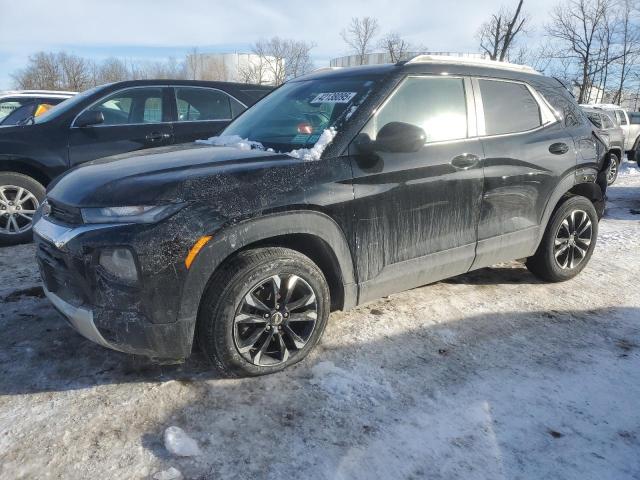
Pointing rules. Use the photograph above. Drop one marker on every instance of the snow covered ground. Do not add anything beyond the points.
(492, 374)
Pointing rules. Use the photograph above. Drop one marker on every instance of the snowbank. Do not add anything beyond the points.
(179, 443)
(629, 169)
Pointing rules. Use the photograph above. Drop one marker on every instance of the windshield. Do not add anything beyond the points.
(295, 115)
(66, 105)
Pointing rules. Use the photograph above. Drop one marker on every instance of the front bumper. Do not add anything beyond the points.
(127, 318)
(81, 319)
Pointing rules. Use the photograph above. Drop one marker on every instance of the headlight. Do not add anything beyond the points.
(137, 214)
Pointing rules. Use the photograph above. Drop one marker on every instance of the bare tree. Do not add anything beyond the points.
(112, 70)
(193, 64)
(578, 27)
(360, 34)
(629, 44)
(280, 59)
(42, 72)
(76, 72)
(397, 47)
(497, 35)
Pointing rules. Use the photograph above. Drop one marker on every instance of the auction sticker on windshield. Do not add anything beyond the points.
(334, 97)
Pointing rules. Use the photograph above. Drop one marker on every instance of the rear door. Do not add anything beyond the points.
(527, 152)
(202, 112)
(134, 119)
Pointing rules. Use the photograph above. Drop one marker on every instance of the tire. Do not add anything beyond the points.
(15, 227)
(546, 263)
(614, 169)
(231, 318)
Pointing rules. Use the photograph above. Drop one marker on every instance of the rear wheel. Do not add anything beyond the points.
(20, 197)
(263, 311)
(568, 242)
(614, 168)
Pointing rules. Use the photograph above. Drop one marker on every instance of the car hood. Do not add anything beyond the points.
(147, 177)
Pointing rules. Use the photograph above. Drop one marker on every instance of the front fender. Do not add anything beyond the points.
(229, 240)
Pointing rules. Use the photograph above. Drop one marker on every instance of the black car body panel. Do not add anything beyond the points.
(376, 224)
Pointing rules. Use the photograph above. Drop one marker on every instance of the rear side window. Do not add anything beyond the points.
(634, 118)
(200, 104)
(437, 105)
(255, 95)
(508, 107)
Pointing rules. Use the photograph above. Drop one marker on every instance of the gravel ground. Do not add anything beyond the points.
(492, 374)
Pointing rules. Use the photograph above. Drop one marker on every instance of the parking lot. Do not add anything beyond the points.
(492, 374)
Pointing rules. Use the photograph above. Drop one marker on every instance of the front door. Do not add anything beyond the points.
(417, 213)
(134, 119)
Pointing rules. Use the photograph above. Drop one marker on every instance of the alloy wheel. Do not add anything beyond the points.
(275, 320)
(573, 239)
(17, 207)
(612, 174)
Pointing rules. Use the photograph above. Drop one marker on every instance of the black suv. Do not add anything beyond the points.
(107, 120)
(334, 190)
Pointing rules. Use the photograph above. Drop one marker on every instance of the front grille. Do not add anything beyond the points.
(64, 213)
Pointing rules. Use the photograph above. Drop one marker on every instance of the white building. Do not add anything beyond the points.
(233, 67)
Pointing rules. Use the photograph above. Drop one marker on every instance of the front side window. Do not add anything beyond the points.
(437, 105)
(199, 104)
(508, 107)
(132, 106)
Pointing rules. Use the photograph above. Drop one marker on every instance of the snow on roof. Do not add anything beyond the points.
(474, 62)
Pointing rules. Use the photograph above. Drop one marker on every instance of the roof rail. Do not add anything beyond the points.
(325, 69)
(474, 62)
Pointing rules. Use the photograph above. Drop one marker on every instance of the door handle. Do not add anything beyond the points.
(465, 161)
(155, 136)
(559, 148)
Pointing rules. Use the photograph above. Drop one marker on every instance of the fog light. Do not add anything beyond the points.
(119, 262)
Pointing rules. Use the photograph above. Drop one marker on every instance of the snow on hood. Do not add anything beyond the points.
(307, 154)
(315, 152)
(234, 141)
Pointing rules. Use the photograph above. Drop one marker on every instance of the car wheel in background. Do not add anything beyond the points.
(20, 196)
(614, 168)
(263, 310)
(568, 241)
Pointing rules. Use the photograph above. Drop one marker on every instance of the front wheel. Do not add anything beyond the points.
(568, 242)
(20, 197)
(263, 311)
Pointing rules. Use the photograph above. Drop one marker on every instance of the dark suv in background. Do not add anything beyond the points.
(107, 120)
(334, 190)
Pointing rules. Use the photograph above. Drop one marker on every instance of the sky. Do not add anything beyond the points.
(156, 29)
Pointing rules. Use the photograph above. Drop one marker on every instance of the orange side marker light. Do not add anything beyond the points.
(193, 253)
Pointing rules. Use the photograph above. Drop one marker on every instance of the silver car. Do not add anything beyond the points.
(606, 123)
(630, 123)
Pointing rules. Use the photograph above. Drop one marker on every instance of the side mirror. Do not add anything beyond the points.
(89, 118)
(399, 137)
